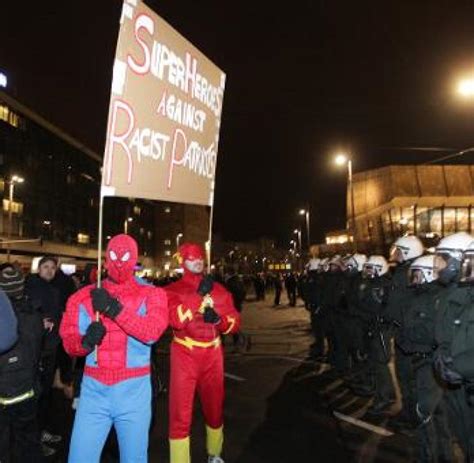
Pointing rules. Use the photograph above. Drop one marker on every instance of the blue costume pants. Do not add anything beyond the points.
(125, 405)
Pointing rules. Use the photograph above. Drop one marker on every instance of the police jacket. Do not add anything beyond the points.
(373, 296)
(417, 331)
(454, 328)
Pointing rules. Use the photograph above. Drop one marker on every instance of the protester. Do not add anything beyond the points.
(43, 294)
(116, 387)
(19, 375)
(236, 287)
(200, 312)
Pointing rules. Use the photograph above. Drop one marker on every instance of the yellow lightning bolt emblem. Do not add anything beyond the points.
(186, 315)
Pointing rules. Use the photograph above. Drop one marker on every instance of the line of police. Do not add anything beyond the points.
(421, 312)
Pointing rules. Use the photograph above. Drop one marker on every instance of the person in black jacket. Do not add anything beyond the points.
(19, 375)
(46, 296)
(236, 287)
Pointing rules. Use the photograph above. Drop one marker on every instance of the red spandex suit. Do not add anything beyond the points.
(200, 311)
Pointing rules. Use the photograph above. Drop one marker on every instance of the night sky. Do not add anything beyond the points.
(303, 80)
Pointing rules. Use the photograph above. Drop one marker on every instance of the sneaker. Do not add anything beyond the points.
(48, 438)
(47, 451)
(214, 459)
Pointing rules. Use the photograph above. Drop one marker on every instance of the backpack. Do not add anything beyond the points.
(19, 367)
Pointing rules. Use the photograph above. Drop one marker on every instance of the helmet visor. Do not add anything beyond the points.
(467, 269)
(441, 261)
(370, 270)
(396, 255)
(416, 277)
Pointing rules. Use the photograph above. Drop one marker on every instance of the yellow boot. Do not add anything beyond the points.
(179, 451)
(214, 441)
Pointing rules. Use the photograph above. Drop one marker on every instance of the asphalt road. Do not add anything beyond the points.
(280, 407)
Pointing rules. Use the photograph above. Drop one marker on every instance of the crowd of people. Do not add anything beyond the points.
(413, 309)
(95, 342)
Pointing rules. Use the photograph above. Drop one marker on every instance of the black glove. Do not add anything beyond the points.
(94, 334)
(206, 285)
(443, 364)
(211, 316)
(104, 303)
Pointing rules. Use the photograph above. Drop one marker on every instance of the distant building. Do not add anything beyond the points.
(430, 201)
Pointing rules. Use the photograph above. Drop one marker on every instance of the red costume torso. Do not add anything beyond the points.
(186, 320)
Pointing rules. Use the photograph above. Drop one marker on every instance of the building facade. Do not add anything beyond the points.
(430, 201)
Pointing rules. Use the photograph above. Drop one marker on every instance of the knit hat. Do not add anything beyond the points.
(12, 281)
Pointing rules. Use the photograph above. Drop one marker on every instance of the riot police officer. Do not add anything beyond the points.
(373, 295)
(454, 332)
(402, 253)
(417, 340)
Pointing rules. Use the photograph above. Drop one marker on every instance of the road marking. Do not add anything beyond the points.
(364, 425)
(234, 377)
(344, 405)
(332, 386)
(338, 396)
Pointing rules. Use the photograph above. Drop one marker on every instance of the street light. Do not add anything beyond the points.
(125, 224)
(13, 180)
(178, 237)
(297, 231)
(340, 160)
(305, 212)
(466, 87)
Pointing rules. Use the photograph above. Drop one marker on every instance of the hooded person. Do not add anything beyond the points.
(116, 387)
(200, 311)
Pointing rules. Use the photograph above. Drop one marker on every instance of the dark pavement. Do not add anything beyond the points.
(280, 407)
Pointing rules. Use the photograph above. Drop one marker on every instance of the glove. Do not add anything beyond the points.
(206, 285)
(443, 365)
(104, 303)
(94, 334)
(211, 316)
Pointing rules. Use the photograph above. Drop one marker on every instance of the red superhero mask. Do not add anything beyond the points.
(121, 258)
(192, 257)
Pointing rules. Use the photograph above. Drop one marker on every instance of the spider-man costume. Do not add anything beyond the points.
(198, 320)
(116, 389)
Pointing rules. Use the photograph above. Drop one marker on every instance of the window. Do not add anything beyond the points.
(9, 116)
(462, 219)
(449, 220)
(150, 235)
(83, 238)
(435, 221)
(167, 242)
(17, 208)
(137, 210)
(167, 252)
(167, 210)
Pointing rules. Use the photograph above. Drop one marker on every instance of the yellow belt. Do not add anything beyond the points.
(191, 343)
(17, 399)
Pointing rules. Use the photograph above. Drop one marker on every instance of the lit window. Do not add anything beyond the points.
(167, 252)
(167, 209)
(167, 242)
(137, 210)
(83, 238)
(142, 231)
(150, 235)
(17, 208)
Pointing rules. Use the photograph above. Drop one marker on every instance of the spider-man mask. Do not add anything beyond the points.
(121, 258)
(192, 258)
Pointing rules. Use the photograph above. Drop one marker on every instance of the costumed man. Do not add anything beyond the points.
(116, 388)
(200, 312)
